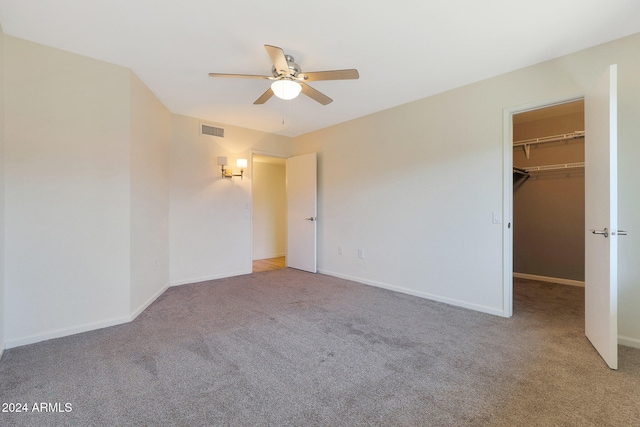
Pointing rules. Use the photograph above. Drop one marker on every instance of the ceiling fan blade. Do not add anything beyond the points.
(264, 97)
(315, 95)
(315, 76)
(279, 59)
(243, 76)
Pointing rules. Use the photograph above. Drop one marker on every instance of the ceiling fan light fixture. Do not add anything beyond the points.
(286, 89)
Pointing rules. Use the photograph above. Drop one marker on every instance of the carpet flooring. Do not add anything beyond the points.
(288, 348)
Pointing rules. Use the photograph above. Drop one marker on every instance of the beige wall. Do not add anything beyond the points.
(411, 186)
(269, 210)
(210, 216)
(92, 194)
(2, 321)
(87, 193)
(548, 207)
(415, 186)
(67, 192)
(150, 138)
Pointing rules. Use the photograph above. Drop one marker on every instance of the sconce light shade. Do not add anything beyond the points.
(228, 173)
(286, 89)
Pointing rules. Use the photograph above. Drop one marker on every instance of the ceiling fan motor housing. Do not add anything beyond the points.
(286, 73)
(294, 68)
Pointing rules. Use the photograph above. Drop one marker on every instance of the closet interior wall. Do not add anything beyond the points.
(548, 206)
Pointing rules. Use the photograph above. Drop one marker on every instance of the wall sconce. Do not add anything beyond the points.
(228, 173)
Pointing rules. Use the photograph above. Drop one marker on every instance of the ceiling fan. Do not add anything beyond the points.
(289, 80)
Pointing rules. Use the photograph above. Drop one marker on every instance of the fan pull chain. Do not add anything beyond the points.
(288, 119)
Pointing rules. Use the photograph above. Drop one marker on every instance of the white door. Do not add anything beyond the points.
(301, 212)
(601, 217)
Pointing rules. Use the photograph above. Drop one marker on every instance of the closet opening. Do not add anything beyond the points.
(269, 224)
(549, 195)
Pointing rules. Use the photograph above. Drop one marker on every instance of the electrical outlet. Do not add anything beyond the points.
(361, 253)
(339, 250)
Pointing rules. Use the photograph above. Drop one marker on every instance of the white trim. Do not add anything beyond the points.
(252, 153)
(507, 213)
(628, 341)
(207, 278)
(507, 192)
(558, 280)
(150, 301)
(270, 256)
(425, 295)
(268, 154)
(59, 333)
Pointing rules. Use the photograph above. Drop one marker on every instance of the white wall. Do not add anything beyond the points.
(269, 210)
(210, 225)
(89, 195)
(2, 321)
(415, 186)
(67, 211)
(150, 139)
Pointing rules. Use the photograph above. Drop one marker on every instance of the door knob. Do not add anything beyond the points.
(311, 218)
(604, 232)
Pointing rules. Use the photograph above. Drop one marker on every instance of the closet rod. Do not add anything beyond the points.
(554, 167)
(554, 138)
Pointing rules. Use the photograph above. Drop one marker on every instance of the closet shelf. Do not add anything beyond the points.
(561, 166)
(527, 143)
(521, 171)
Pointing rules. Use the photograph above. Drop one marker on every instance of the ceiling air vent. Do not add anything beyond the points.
(213, 131)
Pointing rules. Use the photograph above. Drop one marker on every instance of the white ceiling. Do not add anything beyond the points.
(403, 49)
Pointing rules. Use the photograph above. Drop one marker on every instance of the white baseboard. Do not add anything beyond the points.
(450, 301)
(628, 341)
(558, 280)
(150, 301)
(59, 333)
(261, 257)
(207, 278)
(32, 339)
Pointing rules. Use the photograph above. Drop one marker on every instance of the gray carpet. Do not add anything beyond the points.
(288, 348)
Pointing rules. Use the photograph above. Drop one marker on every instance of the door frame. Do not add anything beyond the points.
(251, 154)
(507, 192)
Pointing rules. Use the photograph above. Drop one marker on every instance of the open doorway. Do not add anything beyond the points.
(600, 213)
(285, 209)
(269, 200)
(548, 195)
